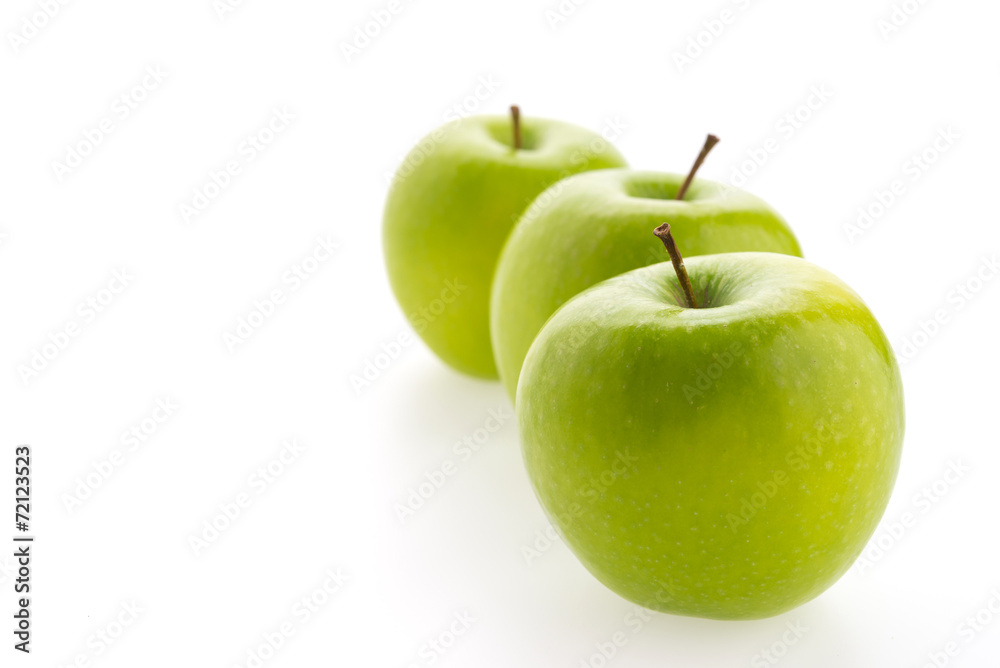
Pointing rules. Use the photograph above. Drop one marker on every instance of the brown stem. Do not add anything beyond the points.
(663, 232)
(515, 115)
(710, 141)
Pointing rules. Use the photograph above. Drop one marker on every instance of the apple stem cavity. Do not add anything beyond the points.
(663, 232)
(710, 141)
(515, 116)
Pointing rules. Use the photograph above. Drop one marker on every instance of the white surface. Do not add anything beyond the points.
(333, 507)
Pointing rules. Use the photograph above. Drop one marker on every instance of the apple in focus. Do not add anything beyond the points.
(728, 461)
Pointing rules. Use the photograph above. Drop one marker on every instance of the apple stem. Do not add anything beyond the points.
(710, 141)
(663, 232)
(515, 115)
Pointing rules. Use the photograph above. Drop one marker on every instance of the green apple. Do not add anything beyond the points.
(728, 461)
(450, 210)
(594, 226)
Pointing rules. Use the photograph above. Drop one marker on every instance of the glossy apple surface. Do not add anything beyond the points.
(594, 226)
(449, 212)
(729, 461)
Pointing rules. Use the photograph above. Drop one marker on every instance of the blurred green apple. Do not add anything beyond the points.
(594, 226)
(448, 215)
(728, 461)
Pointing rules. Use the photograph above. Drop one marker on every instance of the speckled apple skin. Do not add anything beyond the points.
(727, 462)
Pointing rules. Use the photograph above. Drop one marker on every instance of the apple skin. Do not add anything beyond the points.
(598, 225)
(728, 462)
(447, 218)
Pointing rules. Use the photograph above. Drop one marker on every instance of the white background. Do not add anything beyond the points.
(324, 175)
